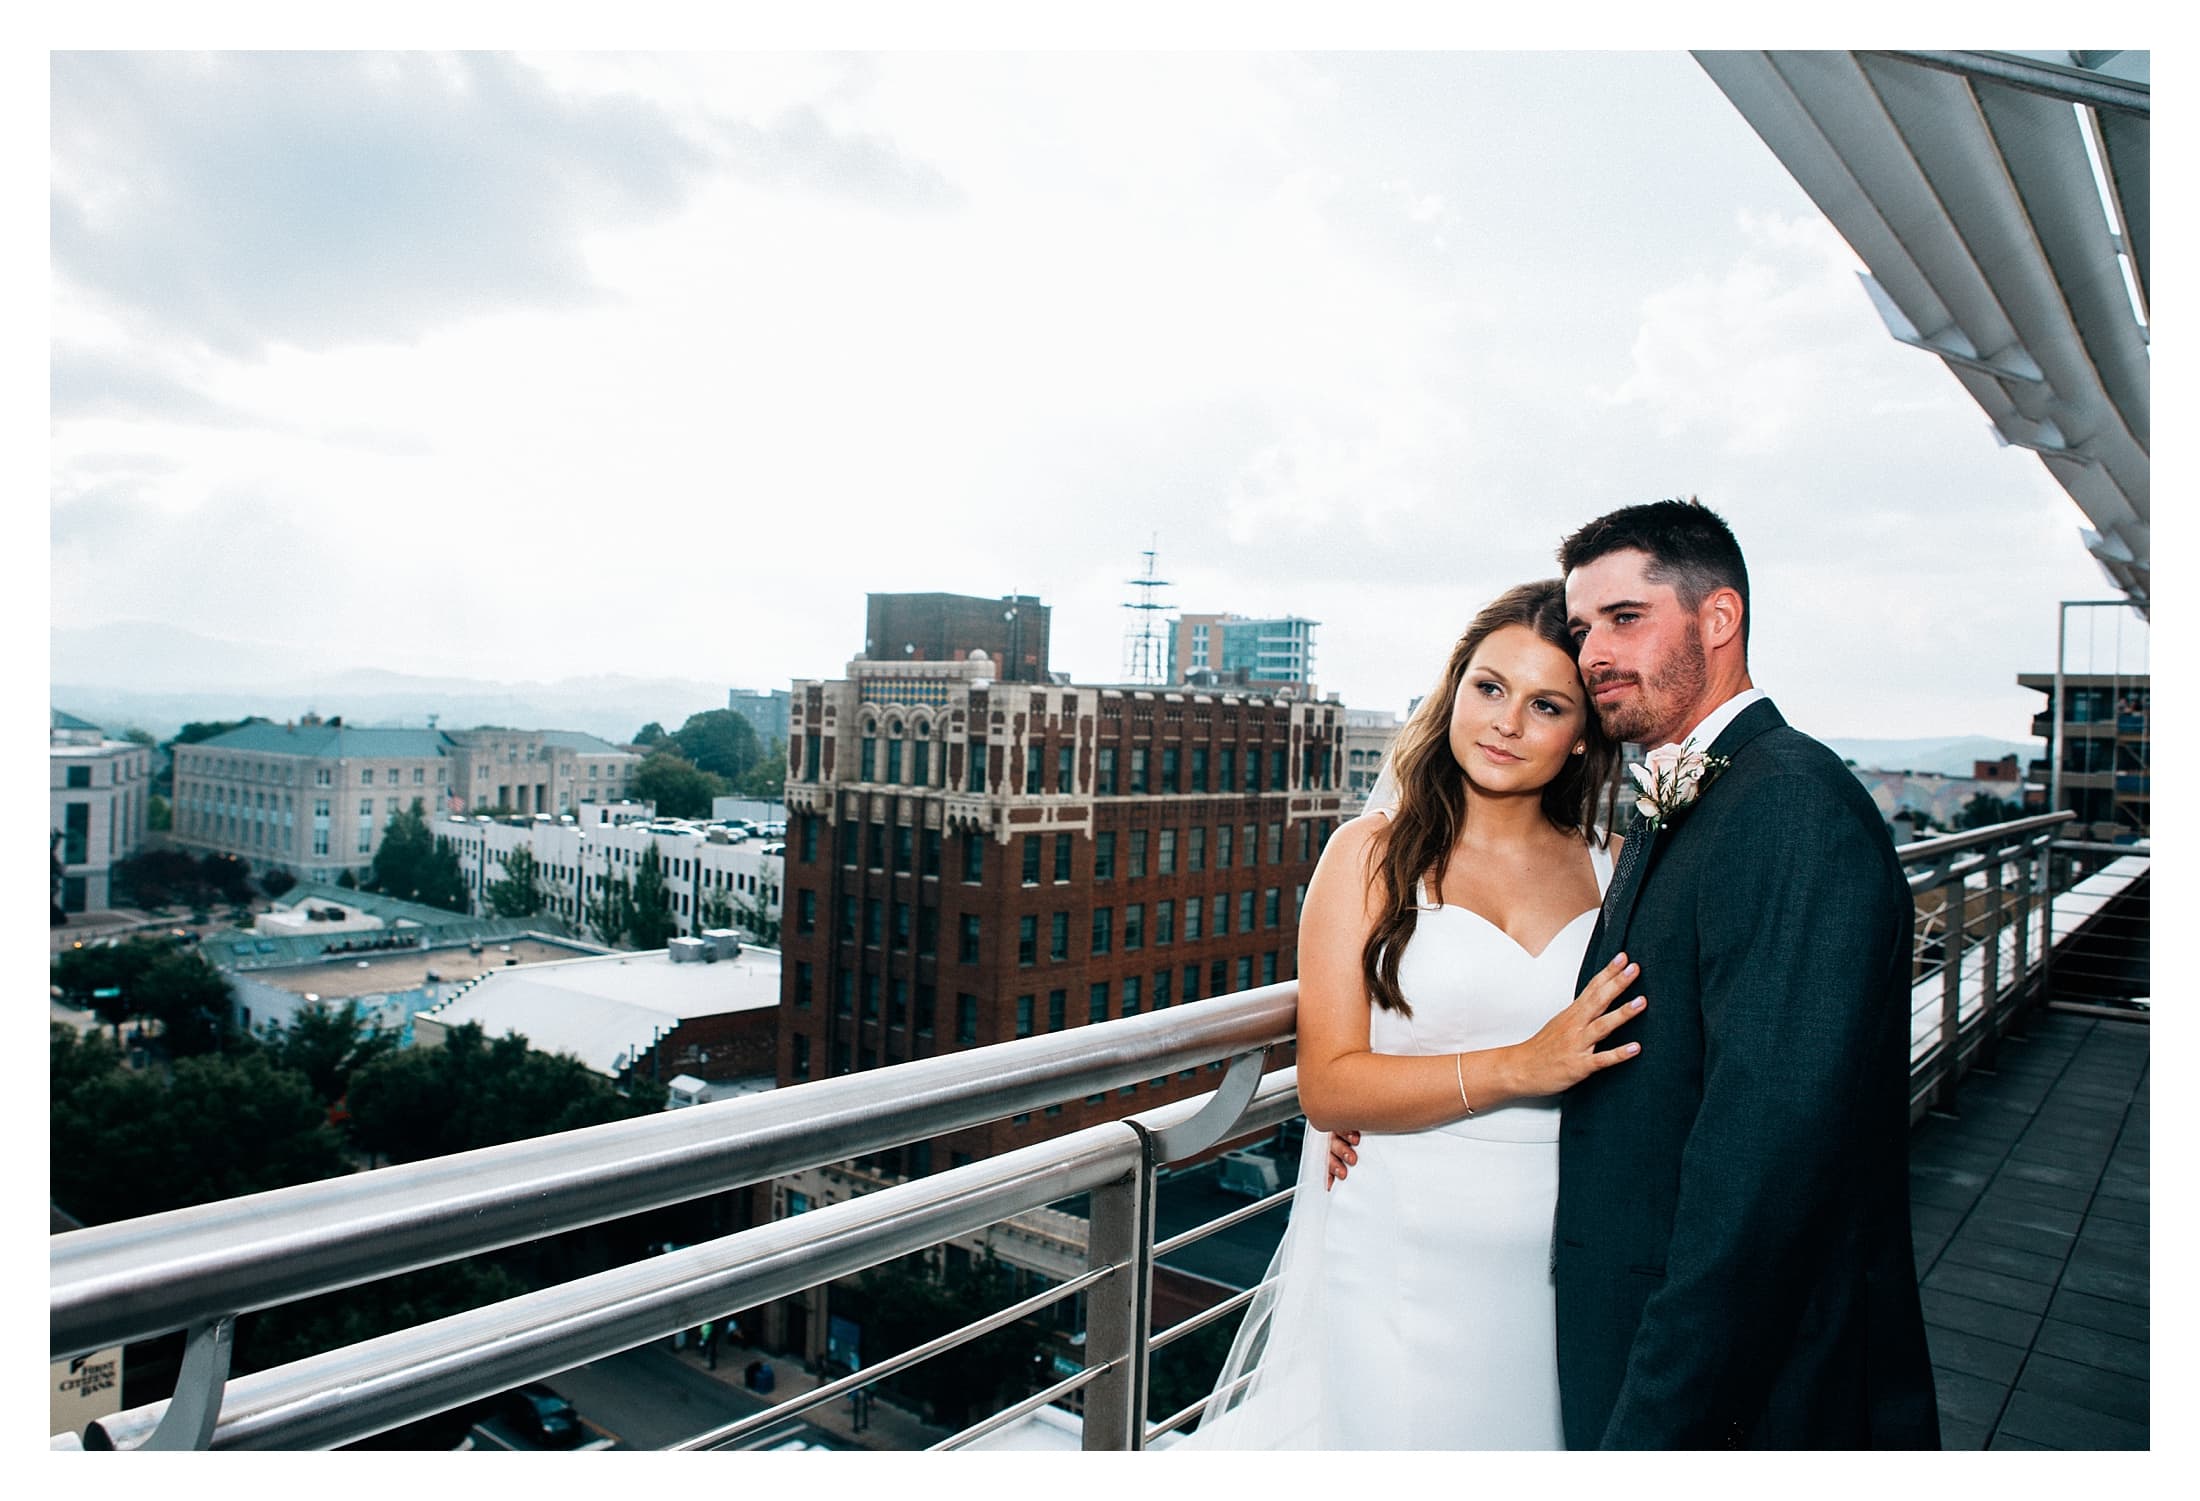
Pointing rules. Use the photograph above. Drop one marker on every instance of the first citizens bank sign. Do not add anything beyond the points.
(86, 1387)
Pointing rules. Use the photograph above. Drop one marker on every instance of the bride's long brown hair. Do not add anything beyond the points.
(1431, 812)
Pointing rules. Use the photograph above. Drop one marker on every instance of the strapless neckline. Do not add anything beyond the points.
(1532, 954)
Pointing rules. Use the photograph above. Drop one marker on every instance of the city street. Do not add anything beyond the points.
(649, 1398)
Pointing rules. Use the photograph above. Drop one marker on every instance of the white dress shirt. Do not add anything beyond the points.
(1714, 724)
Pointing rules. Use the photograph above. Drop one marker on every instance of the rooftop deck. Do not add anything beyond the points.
(2030, 1214)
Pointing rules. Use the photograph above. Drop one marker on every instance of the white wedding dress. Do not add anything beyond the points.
(1412, 1306)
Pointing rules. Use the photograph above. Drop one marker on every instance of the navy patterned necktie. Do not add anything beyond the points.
(1630, 856)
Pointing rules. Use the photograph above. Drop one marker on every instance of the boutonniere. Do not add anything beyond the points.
(1670, 778)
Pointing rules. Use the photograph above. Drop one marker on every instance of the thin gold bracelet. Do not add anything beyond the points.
(1459, 1072)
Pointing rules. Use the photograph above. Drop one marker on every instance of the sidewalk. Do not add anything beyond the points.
(886, 1426)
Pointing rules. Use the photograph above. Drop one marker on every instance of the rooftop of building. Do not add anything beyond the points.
(605, 1008)
(342, 975)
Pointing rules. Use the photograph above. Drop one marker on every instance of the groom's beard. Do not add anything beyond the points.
(1677, 684)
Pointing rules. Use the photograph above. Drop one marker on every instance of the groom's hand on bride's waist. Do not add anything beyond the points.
(1341, 1157)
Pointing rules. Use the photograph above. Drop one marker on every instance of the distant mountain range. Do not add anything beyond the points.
(1950, 756)
(137, 674)
(133, 674)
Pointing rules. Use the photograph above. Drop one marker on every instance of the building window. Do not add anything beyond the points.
(1170, 757)
(1192, 910)
(901, 925)
(844, 995)
(1103, 855)
(1034, 767)
(804, 979)
(1103, 780)
(1024, 1004)
(1063, 843)
(1096, 1009)
(869, 771)
(1275, 844)
(1062, 769)
(874, 921)
(876, 840)
(366, 776)
(966, 1019)
(1218, 977)
(1272, 907)
(1057, 1010)
(1223, 837)
(1131, 1001)
(805, 912)
(1059, 949)
(1195, 850)
(893, 757)
(1138, 853)
(322, 776)
(1199, 768)
(977, 766)
(1276, 779)
(1031, 859)
(420, 776)
(1164, 922)
(870, 998)
(920, 757)
(1165, 853)
(847, 933)
(925, 999)
(974, 859)
(1218, 915)
(1249, 846)
(968, 954)
(1134, 926)
(1268, 968)
(1245, 911)
(1191, 982)
(1252, 769)
(1161, 979)
(932, 853)
(904, 847)
(1103, 930)
(1245, 972)
(1027, 940)
(1138, 769)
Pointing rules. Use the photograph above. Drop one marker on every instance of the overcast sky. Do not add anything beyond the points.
(527, 367)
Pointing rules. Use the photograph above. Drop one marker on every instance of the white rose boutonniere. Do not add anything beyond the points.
(1670, 778)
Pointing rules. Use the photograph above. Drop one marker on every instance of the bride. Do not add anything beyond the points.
(1412, 1308)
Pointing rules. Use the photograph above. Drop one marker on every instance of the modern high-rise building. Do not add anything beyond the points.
(1235, 651)
(970, 860)
(2102, 771)
(766, 713)
(100, 790)
(1010, 631)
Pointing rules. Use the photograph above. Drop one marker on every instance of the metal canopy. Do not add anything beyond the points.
(1962, 180)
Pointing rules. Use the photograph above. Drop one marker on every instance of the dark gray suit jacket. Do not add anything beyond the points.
(1732, 1247)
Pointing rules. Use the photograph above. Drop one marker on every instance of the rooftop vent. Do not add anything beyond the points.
(688, 951)
(723, 943)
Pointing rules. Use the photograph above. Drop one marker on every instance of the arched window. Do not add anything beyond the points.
(893, 751)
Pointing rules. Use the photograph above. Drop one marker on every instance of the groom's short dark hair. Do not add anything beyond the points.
(1690, 548)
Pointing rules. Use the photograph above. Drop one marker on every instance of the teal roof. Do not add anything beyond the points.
(330, 741)
(66, 721)
(580, 741)
(248, 951)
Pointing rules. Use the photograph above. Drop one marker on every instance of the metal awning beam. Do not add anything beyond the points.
(2077, 85)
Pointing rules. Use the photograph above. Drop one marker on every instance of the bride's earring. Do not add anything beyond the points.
(1582, 748)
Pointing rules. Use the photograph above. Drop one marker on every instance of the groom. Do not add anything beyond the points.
(1732, 1247)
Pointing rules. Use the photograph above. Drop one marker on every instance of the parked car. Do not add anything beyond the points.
(540, 1414)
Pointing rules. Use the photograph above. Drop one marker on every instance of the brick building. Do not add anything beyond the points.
(970, 861)
(1010, 632)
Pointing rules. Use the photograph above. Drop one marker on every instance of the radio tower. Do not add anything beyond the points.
(1144, 641)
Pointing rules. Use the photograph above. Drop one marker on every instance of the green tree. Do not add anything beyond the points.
(415, 866)
(611, 915)
(652, 924)
(326, 1044)
(516, 894)
(768, 777)
(903, 1304)
(106, 978)
(756, 917)
(678, 787)
(432, 1101)
(191, 1000)
(648, 735)
(717, 909)
(159, 817)
(720, 742)
(1985, 809)
(129, 1142)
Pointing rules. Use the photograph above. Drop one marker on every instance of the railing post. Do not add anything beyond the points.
(1996, 920)
(2024, 931)
(1116, 1310)
(1951, 993)
(2047, 920)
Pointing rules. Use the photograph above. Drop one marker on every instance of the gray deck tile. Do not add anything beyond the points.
(1975, 1355)
(2062, 1425)
(1970, 1250)
(2093, 1347)
(2106, 1314)
(2085, 1386)
(2012, 1326)
(1969, 1399)
(1989, 1287)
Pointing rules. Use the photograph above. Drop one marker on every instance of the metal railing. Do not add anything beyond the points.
(1989, 934)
